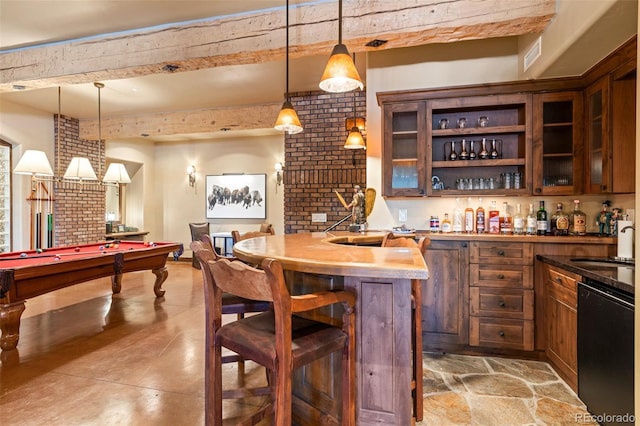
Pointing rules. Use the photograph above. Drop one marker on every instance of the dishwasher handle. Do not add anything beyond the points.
(608, 295)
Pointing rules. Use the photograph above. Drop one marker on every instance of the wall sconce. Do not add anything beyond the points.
(278, 167)
(191, 171)
(358, 122)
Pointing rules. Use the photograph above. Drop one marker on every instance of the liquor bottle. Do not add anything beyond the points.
(453, 156)
(560, 221)
(494, 219)
(480, 224)
(506, 221)
(541, 220)
(468, 217)
(531, 226)
(578, 220)
(518, 221)
(446, 224)
(458, 219)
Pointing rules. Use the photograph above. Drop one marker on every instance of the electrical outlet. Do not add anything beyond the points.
(402, 215)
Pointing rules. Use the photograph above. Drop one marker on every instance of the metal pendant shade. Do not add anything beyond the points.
(288, 120)
(340, 74)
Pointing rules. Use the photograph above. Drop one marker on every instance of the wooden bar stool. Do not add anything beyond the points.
(265, 230)
(279, 340)
(391, 240)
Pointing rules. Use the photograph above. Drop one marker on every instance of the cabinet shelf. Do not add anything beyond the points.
(479, 130)
(478, 163)
(483, 192)
(405, 132)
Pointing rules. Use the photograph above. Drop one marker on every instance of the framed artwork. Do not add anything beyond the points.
(236, 196)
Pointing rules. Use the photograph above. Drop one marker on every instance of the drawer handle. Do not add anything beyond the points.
(559, 280)
(501, 276)
(501, 333)
(501, 253)
(502, 304)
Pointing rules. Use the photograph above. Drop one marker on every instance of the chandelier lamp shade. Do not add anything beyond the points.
(288, 120)
(116, 173)
(80, 169)
(340, 75)
(34, 163)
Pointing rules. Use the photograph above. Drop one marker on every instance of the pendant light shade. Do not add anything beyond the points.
(34, 163)
(116, 173)
(80, 169)
(288, 120)
(340, 74)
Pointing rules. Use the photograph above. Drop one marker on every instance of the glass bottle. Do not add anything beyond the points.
(518, 221)
(446, 224)
(469, 217)
(578, 220)
(453, 156)
(559, 221)
(472, 152)
(464, 155)
(541, 220)
(480, 224)
(458, 220)
(506, 221)
(531, 225)
(483, 152)
(494, 219)
(494, 151)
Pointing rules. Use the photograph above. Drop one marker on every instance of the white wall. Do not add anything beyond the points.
(24, 128)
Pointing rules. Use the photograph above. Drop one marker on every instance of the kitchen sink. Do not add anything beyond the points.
(604, 263)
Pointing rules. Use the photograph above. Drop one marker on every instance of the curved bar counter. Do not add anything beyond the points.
(381, 279)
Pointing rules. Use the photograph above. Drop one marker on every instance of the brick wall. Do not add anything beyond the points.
(79, 209)
(316, 163)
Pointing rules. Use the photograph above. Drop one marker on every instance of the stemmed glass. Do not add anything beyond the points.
(464, 155)
(472, 152)
(484, 153)
(494, 152)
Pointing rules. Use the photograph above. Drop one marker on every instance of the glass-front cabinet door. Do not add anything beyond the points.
(557, 136)
(404, 150)
(5, 197)
(597, 144)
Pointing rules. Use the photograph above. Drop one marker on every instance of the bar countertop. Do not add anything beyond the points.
(335, 253)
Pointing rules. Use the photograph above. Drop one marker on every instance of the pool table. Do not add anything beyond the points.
(31, 273)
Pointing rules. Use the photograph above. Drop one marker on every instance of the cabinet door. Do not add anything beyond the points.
(403, 171)
(557, 146)
(623, 129)
(597, 141)
(445, 295)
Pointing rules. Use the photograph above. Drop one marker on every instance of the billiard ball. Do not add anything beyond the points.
(56, 257)
(116, 245)
(23, 255)
(77, 249)
(38, 250)
(101, 248)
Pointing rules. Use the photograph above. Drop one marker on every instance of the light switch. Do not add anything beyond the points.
(402, 215)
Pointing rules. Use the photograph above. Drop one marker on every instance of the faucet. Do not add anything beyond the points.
(623, 230)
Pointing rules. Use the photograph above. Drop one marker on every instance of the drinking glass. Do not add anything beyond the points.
(462, 122)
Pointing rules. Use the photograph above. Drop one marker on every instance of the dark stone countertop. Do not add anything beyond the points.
(619, 276)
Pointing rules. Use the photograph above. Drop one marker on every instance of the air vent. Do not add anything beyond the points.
(533, 53)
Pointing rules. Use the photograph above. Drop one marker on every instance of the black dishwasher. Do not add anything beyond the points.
(605, 352)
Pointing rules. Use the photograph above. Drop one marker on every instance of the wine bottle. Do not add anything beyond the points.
(506, 221)
(541, 220)
(494, 219)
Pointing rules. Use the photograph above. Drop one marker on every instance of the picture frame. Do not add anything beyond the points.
(236, 196)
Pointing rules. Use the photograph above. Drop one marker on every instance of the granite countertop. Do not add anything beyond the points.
(619, 276)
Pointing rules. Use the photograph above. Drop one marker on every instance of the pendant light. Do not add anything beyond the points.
(340, 74)
(80, 168)
(355, 139)
(288, 119)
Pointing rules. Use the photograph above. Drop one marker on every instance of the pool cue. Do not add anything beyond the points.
(39, 217)
(49, 230)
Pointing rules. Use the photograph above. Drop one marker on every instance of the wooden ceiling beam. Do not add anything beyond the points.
(253, 117)
(254, 38)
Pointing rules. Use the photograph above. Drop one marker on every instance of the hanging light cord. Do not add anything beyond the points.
(287, 54)
(58, 149)
(339, 21)
(99, 86)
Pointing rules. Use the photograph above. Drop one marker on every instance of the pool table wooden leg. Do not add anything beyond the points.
(161, 275)
(10, 324)
(116, 283)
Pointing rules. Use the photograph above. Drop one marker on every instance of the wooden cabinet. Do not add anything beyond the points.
(610, 132)
(501, 304)
(445, 296)
(403, 171)
(557, 143)
(494, 141)
(561, 320)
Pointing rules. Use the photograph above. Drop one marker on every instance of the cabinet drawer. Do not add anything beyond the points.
(561, 277)
(484, 252)
(501, 303)
(513, 276)
(501, 333)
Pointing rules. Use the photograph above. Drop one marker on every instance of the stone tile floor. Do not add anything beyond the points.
(470, 390)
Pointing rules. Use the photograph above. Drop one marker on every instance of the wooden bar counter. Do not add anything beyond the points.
(381, 279)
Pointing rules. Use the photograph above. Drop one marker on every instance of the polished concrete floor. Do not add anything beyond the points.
(87, 357)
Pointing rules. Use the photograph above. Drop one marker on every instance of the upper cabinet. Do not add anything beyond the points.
(557, 143)
(403, 171)
(479, 143)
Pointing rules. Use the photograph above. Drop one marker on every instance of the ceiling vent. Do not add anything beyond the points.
(533, 53)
